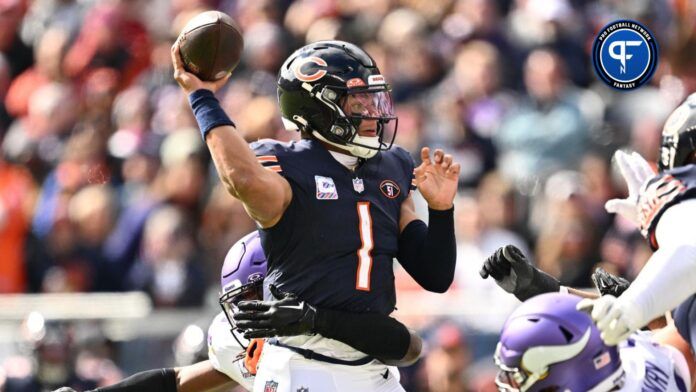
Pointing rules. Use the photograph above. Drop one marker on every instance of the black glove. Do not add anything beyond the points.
(288, 316)
(607, 283)
(514, 274)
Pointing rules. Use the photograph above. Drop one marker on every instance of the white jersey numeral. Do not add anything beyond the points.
(364, 256)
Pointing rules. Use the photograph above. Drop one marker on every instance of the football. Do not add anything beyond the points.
(211, 45)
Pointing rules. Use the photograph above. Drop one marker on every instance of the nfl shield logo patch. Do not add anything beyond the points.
(358, 185)
(326, 189)
(271, 386)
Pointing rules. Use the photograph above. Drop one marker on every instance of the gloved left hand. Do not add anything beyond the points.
(608, 283)
(516, 275)
(615, 319)
(287, 316)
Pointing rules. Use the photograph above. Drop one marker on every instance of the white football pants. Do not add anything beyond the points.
(287, 371)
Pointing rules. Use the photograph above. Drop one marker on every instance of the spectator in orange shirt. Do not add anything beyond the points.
(16, 203)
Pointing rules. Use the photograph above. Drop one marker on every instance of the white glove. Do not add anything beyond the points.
(635, 171)
(615, 320)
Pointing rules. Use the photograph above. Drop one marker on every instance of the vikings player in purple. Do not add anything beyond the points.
(546, 344)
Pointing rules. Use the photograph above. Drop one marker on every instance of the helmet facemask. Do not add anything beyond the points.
(350, 109)
(510, 379)
(229, 300)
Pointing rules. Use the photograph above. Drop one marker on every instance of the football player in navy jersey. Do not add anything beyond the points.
(335, 208)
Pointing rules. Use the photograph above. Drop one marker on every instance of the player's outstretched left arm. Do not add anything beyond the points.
(198, 377)
(377, 335)
(429, 252)
(511, 270)
(515, 274)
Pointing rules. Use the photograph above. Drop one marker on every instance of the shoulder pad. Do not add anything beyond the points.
(268, 152)
(407, 163)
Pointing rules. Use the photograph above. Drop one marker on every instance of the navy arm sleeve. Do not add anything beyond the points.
(429, 253)
(374, 334)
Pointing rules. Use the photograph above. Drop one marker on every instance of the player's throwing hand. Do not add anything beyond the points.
(188, 81)
(437, 179)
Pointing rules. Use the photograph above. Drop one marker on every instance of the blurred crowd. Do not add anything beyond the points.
(106, 185)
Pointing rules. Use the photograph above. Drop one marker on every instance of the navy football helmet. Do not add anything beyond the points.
(328, 89)
(679, 136)
(242, 275)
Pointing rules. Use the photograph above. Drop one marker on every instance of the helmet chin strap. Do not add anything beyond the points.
(358, 151)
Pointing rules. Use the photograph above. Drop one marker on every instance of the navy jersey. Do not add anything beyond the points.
(334, 246)
(661, 192)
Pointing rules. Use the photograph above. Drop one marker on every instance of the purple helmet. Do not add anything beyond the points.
(242, 274)
(548, 345)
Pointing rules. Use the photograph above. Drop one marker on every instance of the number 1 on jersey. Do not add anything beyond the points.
(364, 256)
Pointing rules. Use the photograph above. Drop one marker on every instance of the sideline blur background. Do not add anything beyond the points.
(105, 185)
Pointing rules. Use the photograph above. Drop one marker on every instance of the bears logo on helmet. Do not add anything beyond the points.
(316, 75)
